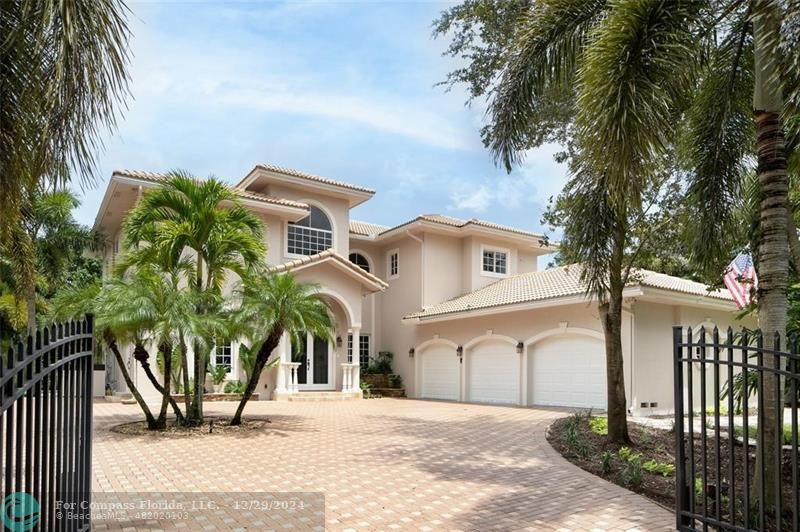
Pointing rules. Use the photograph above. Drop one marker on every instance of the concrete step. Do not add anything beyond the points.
(317, 396)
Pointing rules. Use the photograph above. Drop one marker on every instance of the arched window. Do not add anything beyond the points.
(310, 235)
(360, 260)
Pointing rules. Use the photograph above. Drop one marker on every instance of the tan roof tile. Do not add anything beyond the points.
(551, 284)
(330, 254)
(366, 228)
(311, 177)
(155, 177)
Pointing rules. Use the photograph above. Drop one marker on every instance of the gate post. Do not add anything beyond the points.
(681, 487)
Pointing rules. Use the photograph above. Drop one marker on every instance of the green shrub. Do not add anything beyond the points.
(573, 437)
(218, 373)
(629, 456)
(235, 387)
(381, 364)
(395, 381)
(659, 468)
(599, 425)
(606, 460)
(632, 472)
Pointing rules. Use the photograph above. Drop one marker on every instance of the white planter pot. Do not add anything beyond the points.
(218, 388)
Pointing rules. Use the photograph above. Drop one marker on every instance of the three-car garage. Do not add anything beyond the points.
(559, 369)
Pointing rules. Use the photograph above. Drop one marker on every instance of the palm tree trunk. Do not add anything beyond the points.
(772, 283)
(143, 356)
(195, 412)
(773, 265)
(166, 398)
(112, 344)
(187, 393)
(267, 347)
(611, 317)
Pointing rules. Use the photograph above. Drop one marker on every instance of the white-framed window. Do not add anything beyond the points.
(363, 349)
(313, 234)
(494, 262)
(223, 354)
(360, 260)
(393, 264)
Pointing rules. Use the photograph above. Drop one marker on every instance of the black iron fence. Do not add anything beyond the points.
(46, 427)
(736, 425)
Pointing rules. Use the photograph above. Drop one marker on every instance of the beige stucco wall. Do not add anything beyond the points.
(442, 257)
(337, 209)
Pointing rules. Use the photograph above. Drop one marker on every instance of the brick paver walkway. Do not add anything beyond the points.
(384, 464)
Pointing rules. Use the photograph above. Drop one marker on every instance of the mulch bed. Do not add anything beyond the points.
(658, 445)
(211, 427)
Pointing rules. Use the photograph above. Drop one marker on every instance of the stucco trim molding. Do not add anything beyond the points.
(433, 341)
(336, 296)
(558, 331)
(484, 337)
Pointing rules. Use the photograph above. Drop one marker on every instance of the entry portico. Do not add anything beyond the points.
(316, 364)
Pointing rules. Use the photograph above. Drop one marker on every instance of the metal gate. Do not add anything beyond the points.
(721, 387)
(46, 429)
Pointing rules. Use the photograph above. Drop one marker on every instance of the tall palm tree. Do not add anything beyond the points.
(63, 75)
(272, 305)
(202, 220)
(711, 77)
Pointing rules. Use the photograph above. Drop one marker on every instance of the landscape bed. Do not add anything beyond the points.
(647, 466)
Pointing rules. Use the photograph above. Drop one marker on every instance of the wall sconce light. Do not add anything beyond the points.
(520, 347)
(338, 341)
(460, 351)
(411, 353)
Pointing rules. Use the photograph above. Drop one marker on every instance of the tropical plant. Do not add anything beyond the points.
(635, 70)
(247, 359)
(236, 386)
(381, 364)
(274, 304)
(177, 369)
(218, 373)
(205, 221)
(64, 74)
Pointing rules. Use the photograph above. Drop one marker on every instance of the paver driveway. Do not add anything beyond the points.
(384, 464)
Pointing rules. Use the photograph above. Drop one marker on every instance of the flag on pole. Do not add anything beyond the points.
(740, 277)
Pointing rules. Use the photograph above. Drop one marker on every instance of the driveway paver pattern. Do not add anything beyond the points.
(383, 464)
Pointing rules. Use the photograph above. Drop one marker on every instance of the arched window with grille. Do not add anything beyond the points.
(360, 260)
(311, 235)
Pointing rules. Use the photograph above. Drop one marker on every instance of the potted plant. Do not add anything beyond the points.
(218, 374)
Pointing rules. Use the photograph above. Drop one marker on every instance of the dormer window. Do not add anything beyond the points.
(494, 261)
(313, 234)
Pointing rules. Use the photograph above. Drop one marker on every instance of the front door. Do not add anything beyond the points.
(314, 372)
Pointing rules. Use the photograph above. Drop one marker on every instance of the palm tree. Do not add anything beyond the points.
(63, 73)
(205, 221)
(275, 304)
(636, 69)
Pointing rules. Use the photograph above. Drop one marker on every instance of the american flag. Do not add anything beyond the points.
(740, 277)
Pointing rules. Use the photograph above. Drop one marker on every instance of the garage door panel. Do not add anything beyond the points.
(494, 373)
(568, 371)
(440, 374)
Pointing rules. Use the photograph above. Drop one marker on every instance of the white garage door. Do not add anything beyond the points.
(568, 371)
(440, 373)
(493, 373)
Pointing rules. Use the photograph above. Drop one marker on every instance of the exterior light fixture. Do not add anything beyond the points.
(411, 353)
(460, 351)
(338, 341)
(520, 347)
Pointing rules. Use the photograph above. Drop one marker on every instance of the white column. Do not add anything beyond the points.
(356, 361)
(285, 355)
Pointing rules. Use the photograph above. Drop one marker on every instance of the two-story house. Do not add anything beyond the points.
(461, 304)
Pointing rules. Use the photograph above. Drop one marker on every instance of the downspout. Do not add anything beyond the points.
(421, 267)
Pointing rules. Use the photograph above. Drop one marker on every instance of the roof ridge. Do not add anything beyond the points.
(313, 177)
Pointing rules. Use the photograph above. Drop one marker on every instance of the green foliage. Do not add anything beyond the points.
(632, 473)
(237, 387)
(628, 455)
(176, 368)
(699, 489)
(247, 359)
(599, 425)
(381, 364)
(218, 373)
(659, 468)
(396, 381)
(606, 462)
(573, 436)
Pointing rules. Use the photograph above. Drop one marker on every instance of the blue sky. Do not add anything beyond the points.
(340, 89)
